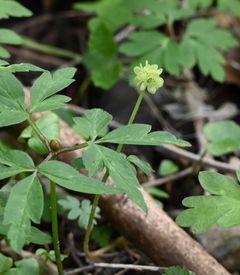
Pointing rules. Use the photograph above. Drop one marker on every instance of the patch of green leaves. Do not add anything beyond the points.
(155, 47)
(101, 57)
(223, 136)
(201, 44)
(79, 210)
(45, 87)
(221, 207)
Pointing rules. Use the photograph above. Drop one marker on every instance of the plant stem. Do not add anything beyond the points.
(104, 179)
(71, 148)
(38, 132)
(56, 246)
(50, 50)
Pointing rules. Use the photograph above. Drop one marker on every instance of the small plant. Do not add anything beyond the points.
(42, 136)
(151, 34)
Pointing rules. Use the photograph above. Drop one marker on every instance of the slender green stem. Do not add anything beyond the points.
(50, 50)
(56, 245)
(38, 132)
(71, 148)
(104, 179)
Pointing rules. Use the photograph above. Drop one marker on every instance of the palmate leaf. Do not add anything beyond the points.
(221, 207)
(155, 47)
(12, 100)
(223, 136)
(139, 134)
(47, 85)
(201, 44)
(94, 123)
(13, 162)
(69, 178)
(120, 170)
(14, 9)
(27, 195)
(101, 57)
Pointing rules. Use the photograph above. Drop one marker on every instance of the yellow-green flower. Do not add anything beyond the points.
(148, 77)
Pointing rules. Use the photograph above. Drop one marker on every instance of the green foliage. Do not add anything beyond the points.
(221, 207)
(139, 134)
(120, 170)
(167, 168)
(175, 270)
(22, 67)
(79, 210)
(94, 123)
(49, 255)
(69, 178)
(102, 235)
(22, 267)
(101, 58)
(13, 162)
(27, 195)
(156, 192)
(12, 100)
(49, 126)
(141, 164)
(46, 86)
(14, 9)
(200, 45)
(223, 136)
(156, 48)
(5, 263)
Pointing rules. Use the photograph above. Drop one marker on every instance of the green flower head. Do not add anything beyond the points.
(148, 77)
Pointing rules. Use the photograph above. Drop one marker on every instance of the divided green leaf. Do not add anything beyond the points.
(69, 178)
(223, 136)
(221, 207)
(13, 162)
(46, 86)
(155, 47)
(120, 170)
(201, 44)
(139, 134)
(141, 164)
(27, 195)
(94, 123)
(101, 58)
(12, 100)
